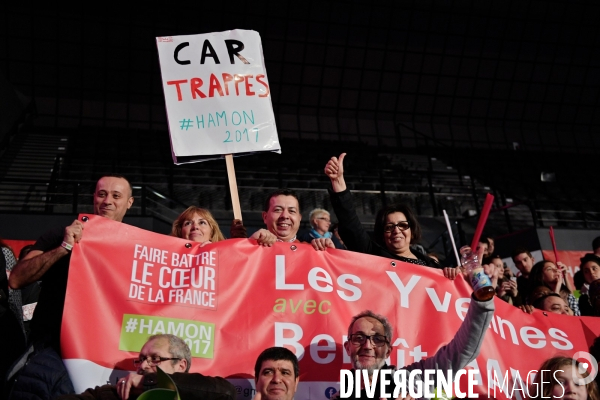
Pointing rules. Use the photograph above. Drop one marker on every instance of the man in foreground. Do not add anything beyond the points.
(370, 338)
(276, 374)
(173, 356)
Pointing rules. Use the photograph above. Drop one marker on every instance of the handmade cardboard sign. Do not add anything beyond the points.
(217, 95)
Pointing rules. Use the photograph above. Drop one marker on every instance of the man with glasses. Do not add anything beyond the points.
(173, 356)
(370, 344)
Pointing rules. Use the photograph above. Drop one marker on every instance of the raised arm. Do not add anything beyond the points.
(35, 264)
(335, 171)
(350, 228)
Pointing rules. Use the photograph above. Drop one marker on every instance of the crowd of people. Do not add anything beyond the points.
(31, 361)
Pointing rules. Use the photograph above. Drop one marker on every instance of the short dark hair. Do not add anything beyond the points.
(587, 258)
(276, 354)
(280, 192)
(596, 243)
(415, 228)
(120, 177)
(520, 250)
(539, 302)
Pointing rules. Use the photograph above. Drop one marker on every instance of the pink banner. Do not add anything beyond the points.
(232, 299)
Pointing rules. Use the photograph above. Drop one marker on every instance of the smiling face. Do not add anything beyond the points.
(112, 198)
(367, 356)
(276, 380)
(571, 386)
(196, 229)
(283, 217)
(397, 241)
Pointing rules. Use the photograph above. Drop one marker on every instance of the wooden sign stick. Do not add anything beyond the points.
(235, 199)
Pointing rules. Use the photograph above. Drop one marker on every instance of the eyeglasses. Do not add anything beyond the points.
(402, 225)
(153, 361)
(359, 339)
(324, 219)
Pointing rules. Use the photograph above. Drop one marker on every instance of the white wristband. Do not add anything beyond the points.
(66, 246)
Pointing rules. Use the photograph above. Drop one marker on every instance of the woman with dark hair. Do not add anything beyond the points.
(566, 381)
(546, 273)
(396, 227)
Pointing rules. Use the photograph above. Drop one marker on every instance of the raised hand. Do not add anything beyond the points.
(335, 171)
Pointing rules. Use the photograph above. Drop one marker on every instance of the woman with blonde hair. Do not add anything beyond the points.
(562, 379)
(198, 225)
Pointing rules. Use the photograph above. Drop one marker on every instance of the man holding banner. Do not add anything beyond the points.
(282, 217)
(49, 261)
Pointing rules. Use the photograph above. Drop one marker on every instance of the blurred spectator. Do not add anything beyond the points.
(434, 256)
(13, 297)
(320, 222)
(12, 336)
(508, 274)
(594, 293)
(334, 229)
(524, 262)
(579, 280)
(546, 273)
(553, 303)
(564, 375)
(596, 246)
(29, 295)
(595, 351)
(590, 269)
(483, 243)
(491, 245)
(537, 292)
(506, 288)
(396, 227)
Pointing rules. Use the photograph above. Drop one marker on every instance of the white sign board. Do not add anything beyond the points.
(217, 95)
